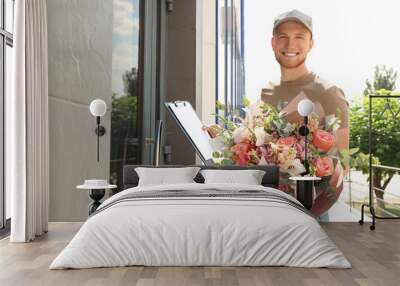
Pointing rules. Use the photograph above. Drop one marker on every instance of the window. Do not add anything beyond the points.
(6, 61)
(230, 73)
(125, 123)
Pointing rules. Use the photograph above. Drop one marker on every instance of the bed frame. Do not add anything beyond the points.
(270, 179)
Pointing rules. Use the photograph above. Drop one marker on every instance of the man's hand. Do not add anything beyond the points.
(342, 142)
(213, 130)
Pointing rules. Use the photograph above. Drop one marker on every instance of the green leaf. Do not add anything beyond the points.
(353, 151)
(228, 154)
(216, 154)
(227, 162)
(217, 164)
(246, 102)
(220, 105)
(231, 126)
(383, 91)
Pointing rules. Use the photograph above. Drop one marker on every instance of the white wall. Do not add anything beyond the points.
(80, 59)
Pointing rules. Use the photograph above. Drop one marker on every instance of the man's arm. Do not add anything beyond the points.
(342, 138)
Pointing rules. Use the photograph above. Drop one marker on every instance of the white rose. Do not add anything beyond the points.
(262, 137)
(294, 167)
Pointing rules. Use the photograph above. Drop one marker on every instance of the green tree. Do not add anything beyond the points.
(385, 131)
(124, 126)
(130, 80)
(384, 78)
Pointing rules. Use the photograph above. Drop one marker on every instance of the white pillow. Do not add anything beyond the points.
(163, 176)
(248, 177)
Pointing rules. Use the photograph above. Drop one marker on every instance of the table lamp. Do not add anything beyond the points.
(98, 108)
(305, 108)
(304, 184)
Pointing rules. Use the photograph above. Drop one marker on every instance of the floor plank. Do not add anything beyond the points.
(374, 255)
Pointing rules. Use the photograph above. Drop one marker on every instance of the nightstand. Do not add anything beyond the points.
(305, 189)
(97, 189)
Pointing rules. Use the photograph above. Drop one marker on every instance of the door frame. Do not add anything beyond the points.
(152, 78)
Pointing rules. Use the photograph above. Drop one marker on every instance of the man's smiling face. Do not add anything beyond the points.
(291, 43)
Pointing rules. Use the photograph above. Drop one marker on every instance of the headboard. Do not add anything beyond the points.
(270, 179)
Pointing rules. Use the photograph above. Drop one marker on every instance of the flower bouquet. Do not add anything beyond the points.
(262, 136)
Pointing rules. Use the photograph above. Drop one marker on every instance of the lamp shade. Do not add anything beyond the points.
(305, 107)
(98, 107)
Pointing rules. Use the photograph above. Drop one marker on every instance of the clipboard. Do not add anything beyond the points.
(190, 124)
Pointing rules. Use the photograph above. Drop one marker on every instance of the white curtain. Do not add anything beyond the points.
(27, 139)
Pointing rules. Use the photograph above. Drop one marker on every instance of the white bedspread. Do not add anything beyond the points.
(200, 231)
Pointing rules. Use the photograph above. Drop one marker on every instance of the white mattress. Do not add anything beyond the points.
(200, 231)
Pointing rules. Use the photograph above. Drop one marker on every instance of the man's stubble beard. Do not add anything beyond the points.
(281, 62)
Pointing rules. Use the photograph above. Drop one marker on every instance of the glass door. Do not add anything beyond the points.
(136, 76)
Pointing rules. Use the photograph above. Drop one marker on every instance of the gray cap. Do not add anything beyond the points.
(294, 15)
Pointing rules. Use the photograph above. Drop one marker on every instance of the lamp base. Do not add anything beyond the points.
(304, 193)
(303, 130)
(96, 195)
(100, 130)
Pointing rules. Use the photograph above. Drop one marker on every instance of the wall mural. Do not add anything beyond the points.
(341, 59)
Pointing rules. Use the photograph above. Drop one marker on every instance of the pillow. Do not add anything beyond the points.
(163, 176)
(249, 177)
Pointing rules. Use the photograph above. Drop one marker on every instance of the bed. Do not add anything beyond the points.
(197, 224)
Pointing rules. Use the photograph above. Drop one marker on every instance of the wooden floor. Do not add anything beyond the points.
(375, 257)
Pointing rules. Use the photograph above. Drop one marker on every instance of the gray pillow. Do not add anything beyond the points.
(248, 177)
(164, 176)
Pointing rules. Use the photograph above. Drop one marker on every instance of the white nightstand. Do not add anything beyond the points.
(305, 189)
(97, 188)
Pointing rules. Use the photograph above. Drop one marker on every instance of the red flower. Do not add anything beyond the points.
(288, 141)
(323, 140)
(323, 167)
(241, 154)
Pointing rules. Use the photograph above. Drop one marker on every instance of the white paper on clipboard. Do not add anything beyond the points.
(187, 119)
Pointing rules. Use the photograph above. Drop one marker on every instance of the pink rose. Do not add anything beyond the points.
(288, 141)
(299, 151)
(323, 140)
(241, 154)
(261, 151)
(241, 135)
(323, 166)
(266, 153)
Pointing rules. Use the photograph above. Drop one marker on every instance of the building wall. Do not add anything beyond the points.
(80, 58)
